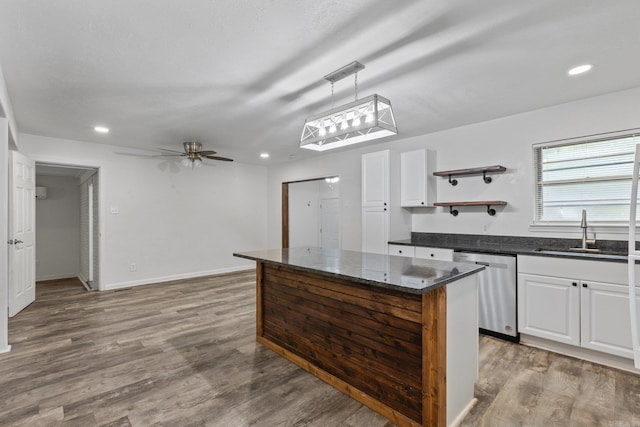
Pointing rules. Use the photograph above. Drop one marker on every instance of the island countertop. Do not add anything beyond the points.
(411, 275)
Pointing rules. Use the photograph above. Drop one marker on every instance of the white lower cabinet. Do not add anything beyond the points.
(605, 324)
(579, 309)
(549, 307)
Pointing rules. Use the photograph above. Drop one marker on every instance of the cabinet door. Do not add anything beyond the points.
(605, 318)
(413, 178)
(441, 254)
(375, 179)
(402, 250)
(375, 230)
(549, 307)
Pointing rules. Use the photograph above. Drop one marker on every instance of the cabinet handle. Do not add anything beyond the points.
(574, 284)
(399, 252)
(432, 255)
(422, 203)
(584, 285)
(385, 203)
(385, 209)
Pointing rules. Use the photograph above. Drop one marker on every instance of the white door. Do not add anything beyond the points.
(549, 307)
(375, 230)
(330, 223)
(22, 232)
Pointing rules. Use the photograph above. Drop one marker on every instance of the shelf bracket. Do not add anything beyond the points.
(452, 211)
(453, 182)
(490, 211)
(485, 178)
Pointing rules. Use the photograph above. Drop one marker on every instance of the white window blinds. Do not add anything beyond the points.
(591, 174)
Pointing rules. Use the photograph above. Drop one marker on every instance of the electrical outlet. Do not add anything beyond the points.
(133, 267)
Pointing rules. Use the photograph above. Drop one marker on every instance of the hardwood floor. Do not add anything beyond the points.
(184, 354)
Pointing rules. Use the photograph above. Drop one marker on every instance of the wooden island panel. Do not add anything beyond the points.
(372, 343)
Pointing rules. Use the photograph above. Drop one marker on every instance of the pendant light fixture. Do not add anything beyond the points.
(358, 121)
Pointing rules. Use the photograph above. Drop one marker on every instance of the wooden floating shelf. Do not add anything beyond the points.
(487, 203)
(472, 171)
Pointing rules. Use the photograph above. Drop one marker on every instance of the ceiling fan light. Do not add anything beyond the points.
(186, 162)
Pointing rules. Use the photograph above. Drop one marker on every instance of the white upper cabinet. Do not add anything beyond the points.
(375, 179)
(417, 183)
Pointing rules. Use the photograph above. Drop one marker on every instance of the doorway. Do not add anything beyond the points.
(311, 213)
(67, 223)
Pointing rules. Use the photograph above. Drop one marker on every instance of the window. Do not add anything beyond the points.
(592, 174)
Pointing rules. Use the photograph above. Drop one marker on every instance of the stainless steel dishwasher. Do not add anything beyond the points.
(496, 293)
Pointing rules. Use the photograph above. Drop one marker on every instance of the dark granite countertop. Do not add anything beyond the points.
(410, 275)
(615, 251)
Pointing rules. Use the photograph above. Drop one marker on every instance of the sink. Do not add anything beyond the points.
(594, 251)
(586, 250)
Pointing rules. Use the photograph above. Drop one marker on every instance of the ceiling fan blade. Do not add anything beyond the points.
(224, 159)
(182, 153)
(207, 153)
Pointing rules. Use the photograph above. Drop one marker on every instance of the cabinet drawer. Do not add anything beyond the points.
(440, 254)
(401, 250)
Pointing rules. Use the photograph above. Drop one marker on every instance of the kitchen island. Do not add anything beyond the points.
(397, 334)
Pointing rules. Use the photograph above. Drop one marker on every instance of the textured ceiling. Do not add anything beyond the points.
(241, 76)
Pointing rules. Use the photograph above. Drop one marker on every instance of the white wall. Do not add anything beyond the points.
(58, 228)
(506, 141)
(171, 222)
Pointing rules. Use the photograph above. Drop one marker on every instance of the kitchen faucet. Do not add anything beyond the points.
(583, 225)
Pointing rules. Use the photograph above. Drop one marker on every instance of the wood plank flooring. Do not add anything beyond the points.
(184, 354)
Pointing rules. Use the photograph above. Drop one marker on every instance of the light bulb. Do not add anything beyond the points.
(356, 121)
(332, 128)
(369, 118)
(197, 163)
(186, 162)
(323, 131)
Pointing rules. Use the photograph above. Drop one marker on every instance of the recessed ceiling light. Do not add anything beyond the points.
(264, 155)
(101, 129)
(579, 69)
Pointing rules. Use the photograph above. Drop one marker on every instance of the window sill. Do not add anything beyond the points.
(574, 227)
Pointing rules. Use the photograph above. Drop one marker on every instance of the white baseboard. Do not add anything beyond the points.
(7, 349)
(161, 279)
(56, 276)
(462, 415)
(580, 353)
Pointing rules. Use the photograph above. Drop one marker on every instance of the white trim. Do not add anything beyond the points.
(7, 349)
(463, 414)
(574, 228)
(120, 285)
(579, 353)
(58, 276)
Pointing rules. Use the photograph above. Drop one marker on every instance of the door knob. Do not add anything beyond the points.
(14, 242)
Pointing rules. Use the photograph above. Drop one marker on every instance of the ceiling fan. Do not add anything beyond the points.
(194, 154)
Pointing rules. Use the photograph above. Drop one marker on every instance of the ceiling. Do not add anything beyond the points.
(241, 76)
